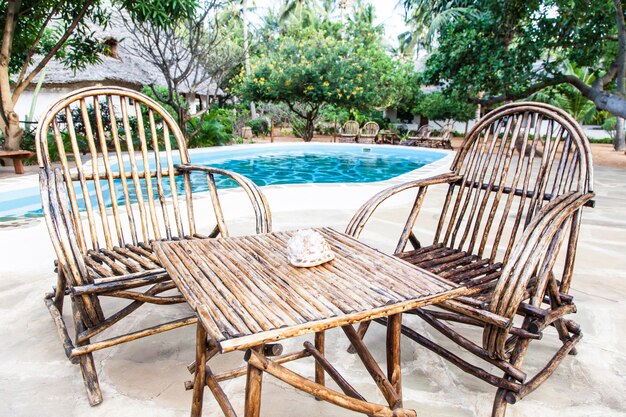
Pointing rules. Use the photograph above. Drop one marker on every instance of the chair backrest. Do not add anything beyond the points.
(351, 127)
(512, 162)
(446, 131)
(424, 131)
(118, 150)
(370, 129)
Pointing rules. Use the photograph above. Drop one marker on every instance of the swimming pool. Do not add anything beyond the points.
(274, 164)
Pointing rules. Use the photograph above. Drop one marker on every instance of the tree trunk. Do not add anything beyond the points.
(618, 140)
(13, 133)
(618, 143)
(10, 122)
(246, 50)
(309, 128)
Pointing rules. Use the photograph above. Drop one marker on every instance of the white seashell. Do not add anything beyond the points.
(308, 248)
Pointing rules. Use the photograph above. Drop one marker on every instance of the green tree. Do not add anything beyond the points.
(426, 18)
(510, 49)
(53, 29)
(570, 99)
(312, 68)
(439, 106)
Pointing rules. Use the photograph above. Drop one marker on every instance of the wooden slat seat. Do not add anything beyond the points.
(454, 265)
(120, 261)
(124, 182)
(514, 201)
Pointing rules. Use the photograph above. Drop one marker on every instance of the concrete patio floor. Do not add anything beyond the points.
(146, 377)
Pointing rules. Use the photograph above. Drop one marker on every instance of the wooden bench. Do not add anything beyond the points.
(17, 157)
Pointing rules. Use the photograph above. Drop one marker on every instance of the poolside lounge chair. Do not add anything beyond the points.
(443, 141)
(414, 137)
(349, 132)
(507, 214)
(368, 132)
(104, 208)
(423, 138)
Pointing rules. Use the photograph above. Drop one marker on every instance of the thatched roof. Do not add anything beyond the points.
(126, 69)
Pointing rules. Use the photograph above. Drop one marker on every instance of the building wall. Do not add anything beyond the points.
(45, 98)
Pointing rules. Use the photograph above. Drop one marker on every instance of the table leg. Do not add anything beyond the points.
(394, 371)
(253, 389)
(319, 369)
(199, 379)
(18, 165)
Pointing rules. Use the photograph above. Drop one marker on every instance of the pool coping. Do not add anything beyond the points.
(439, 166)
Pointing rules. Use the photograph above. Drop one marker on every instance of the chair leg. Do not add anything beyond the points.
(499, 403)
(87, 364)
(59, 292)
(90, 378)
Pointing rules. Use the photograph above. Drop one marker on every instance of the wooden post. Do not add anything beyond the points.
(319, 369)
(335, 131)
(254, 380)
(394, 371)
(271, 130)
(199, 379)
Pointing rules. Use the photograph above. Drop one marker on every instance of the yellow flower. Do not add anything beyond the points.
(287, 83)
(325, 84)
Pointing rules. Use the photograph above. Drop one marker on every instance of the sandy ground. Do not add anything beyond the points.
(146, 377)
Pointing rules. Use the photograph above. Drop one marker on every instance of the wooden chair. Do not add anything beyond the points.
(349, 132)
(444, 140)
(125, 181)
(514, 199)
(415, 138)
(368, 132)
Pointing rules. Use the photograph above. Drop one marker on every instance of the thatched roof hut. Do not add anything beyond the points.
(121, 66)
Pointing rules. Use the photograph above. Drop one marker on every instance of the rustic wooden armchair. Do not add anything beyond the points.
(125, 181)
(349, 132)
(514, 200)
(368, 133)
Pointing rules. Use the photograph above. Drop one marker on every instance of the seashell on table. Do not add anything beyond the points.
(308, 248)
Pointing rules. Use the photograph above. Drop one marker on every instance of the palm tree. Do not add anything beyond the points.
(301, 10)
(569, 98)
(428, 17)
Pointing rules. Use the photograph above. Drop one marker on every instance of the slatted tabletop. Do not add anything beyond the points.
(245, 292)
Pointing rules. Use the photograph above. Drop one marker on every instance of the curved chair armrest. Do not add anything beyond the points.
(534, 255)
(257, 198)
(363, 214)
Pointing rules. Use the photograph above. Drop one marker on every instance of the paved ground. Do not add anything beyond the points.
(146, 377)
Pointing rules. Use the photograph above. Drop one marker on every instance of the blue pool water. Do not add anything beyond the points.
(272, 165)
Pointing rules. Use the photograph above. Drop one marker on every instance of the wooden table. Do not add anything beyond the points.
(389, 136)
(247, 295)
(17, 157)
